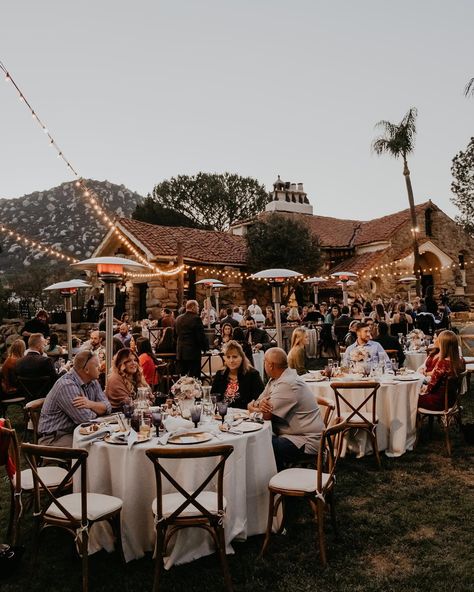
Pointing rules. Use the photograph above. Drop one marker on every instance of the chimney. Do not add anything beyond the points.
(300, 187)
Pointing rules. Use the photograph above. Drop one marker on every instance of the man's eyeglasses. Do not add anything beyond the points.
(89, 356)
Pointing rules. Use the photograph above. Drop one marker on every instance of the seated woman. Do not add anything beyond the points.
(124, 379)
(297, 354)
(8, 374)
(166, 345)
(293, 315)
(53, 347)
(269, 318)
(448, 365)
(356, 312)
(148, 361)
(433, 354)
(238, 382)
(226, 335)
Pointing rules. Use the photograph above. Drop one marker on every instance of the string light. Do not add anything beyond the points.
(35, 245)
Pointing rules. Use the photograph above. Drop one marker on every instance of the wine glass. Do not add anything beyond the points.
(214, 401)
(156, 416)
(222, 409)
(196, 414)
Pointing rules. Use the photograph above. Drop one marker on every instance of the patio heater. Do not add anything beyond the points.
(210, 284)
(408, 282)
(110, 271)
(216, 289)
(67, 290)
(315, 281)
(344, 277)
(276, 278)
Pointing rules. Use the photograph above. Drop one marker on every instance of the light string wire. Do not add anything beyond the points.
(89, 194)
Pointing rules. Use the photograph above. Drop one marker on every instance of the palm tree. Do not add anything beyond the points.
(399, 141)
(469, 88)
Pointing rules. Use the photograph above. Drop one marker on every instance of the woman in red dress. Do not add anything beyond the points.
(449, 365)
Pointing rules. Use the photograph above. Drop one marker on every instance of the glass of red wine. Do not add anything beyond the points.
(135, 421)
(156, 418)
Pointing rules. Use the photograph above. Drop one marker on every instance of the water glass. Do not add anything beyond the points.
(145, 427)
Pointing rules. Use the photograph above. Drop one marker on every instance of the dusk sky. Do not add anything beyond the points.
(138, 92)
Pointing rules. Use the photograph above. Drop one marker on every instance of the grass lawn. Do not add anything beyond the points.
(406, 528)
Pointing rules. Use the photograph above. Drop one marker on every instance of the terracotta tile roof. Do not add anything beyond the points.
(333, 232)
(203, 246)
(360, 263)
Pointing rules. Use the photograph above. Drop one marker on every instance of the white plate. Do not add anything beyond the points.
(249, 426)
(190, 438)
(407, 377)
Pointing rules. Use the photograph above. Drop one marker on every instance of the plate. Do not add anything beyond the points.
(407, 378)
(112, 440)
(190, 438)
(239, 415)
(91, 429)
(249, 426)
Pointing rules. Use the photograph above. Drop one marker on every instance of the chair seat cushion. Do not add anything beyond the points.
(12, 400)
(434, 412)
(356, 419)
(52, 477)
(172, 501)
(98, 505)
(297, 480)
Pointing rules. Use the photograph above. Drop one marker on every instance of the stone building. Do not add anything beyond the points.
(380, 251)
(204, 253)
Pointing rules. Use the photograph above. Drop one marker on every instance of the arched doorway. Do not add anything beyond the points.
(430, 266)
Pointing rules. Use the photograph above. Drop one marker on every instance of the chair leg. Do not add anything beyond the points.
(115, 522)
(375, 448)
(85, 560)
(281, 502)
(318, 510)
(447, 438)
(332, 508)
(223, 558)
(17, 512)
(418, 424)
(269, 524)
(158, 557)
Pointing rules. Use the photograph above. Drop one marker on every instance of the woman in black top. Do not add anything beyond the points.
(239, 383)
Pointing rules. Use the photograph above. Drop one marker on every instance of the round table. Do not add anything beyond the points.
(414, 359)
(129, 474)
(396, 410)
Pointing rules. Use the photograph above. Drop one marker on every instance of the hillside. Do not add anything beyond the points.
(61, 218)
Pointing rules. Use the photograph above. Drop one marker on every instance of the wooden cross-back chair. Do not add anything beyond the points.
(357, 416)
(34, 387)
(32, 416)
(73, 512)
(21, 482)
(315, 485)
(450, 415)
(201, 508)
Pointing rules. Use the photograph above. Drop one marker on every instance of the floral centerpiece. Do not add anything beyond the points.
(185, 390)
(415, 339)
(359, 357)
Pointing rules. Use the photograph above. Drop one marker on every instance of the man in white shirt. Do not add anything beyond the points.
(236, 315)
(254, 308)
(291, 405)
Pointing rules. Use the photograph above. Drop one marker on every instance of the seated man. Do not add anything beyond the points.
(375, 352)
(36, 365)
(257, 338)
(96, 343)
(75, 398)
(389, 342)
(290, 404)
(124, 335)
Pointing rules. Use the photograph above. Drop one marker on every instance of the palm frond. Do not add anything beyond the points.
(469, 88)
(398, 139)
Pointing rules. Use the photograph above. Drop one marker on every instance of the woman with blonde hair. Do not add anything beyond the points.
(125, 378)
(449, 365)
(297, 354)
(8, 375)
(238, 382)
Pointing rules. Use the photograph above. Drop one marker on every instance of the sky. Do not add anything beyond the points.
(137, 92)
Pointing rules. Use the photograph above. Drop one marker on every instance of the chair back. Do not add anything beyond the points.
(34, 455)
(10, 455)
(33, 412)
(453, 390)
(329, 405)
(330, 450)
(356, 410)
(392, 353)
(156, 455)
(34, 387)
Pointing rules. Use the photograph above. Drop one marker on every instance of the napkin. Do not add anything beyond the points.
(174, 423)
(132, 437)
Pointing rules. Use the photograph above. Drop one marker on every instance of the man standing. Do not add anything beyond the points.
(229, 318)
(254, 308)
(375, 352)
(34, 365)
(190, 340)
(75, 398)
(37, 325)
(290, 404)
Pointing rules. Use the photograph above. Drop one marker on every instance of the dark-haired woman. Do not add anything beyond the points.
(147, 360)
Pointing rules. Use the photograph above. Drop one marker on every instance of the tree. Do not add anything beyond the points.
(462, 170)
(469, 88)
(153, 212)
(212, 200)
(280, 241)
(399, 141)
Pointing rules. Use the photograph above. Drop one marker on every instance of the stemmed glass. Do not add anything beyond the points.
(128, 412)
(156, 416)
(196, 414)
(222, 409)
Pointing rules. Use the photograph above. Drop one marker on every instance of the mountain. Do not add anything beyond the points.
(62, 219)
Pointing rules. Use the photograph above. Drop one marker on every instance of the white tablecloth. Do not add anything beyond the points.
(414, 359)
(129, 475)
(396, 411)
(258, 362)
